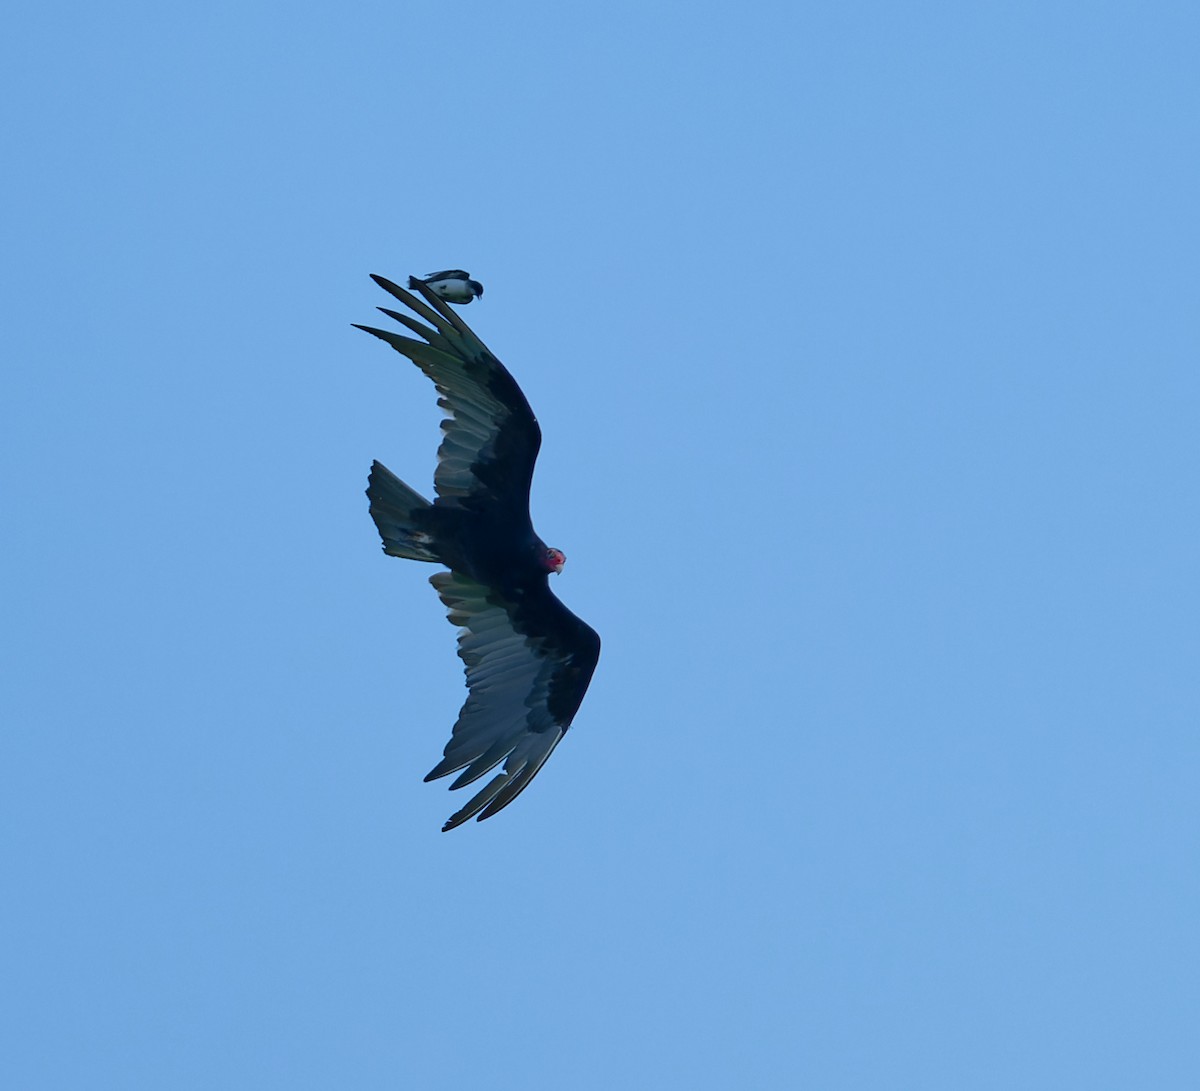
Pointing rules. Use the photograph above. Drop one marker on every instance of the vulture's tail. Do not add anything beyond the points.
(397, 512)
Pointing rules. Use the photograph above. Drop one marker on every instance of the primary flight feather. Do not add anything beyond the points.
(528, 659)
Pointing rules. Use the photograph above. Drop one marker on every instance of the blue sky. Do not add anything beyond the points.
(864, 342)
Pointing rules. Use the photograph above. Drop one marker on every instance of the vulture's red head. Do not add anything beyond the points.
(554, 559)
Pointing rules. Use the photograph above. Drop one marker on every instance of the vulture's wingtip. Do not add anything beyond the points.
(384, 283)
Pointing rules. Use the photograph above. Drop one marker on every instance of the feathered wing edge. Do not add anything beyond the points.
(440, 305)
(522, 766)
(506, 716)
(489, 416)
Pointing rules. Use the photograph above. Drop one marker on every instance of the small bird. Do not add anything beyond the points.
(528, 659)
(453, 285)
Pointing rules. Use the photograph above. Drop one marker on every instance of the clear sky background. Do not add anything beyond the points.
(864, 341)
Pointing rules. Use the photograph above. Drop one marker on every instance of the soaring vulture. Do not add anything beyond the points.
(528, 659)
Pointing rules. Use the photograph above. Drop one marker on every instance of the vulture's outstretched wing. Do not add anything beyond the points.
(491, 436)
(528, 666)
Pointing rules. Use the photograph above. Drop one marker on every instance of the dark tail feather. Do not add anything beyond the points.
(394, 507)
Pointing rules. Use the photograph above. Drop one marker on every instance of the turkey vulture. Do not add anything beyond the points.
(528, 659)
(451, 284)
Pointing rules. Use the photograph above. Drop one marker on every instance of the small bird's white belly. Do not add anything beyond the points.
(453, 291)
